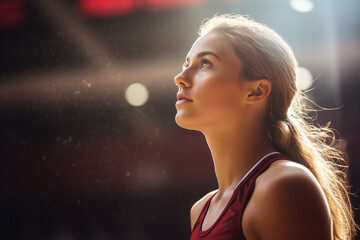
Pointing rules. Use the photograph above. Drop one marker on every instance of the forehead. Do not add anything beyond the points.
(214, 42)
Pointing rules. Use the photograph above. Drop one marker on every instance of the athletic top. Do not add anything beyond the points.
(228, 225)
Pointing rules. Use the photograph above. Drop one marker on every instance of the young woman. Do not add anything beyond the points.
(278, 175)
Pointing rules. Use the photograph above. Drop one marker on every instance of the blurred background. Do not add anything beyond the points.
(89, 148)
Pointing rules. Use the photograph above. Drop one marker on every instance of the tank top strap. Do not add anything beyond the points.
(246, 187)
(203, 212)
(261, 166)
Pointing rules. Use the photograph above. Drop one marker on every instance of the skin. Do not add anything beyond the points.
(287, 202)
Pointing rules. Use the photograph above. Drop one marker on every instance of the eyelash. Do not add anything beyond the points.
(205, 61)
(202, 61)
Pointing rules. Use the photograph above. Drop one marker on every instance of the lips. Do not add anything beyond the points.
(182, 96)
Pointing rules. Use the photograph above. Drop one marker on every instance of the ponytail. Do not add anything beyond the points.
(279, 134)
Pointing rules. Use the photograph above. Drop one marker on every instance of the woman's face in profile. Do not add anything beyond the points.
(211, 82)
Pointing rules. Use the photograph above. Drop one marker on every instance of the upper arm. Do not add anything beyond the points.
(290, 204)
(198, 207)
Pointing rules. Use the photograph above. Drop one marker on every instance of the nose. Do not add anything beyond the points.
(181, 80)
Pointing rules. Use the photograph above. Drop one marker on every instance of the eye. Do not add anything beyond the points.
(205, 63)
(185, 65)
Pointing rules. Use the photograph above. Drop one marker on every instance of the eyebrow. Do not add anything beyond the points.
(204, 53)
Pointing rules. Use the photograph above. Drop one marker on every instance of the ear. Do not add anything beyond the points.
(259, 91)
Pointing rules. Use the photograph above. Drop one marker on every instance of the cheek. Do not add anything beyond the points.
(220, 99)
(219, 89)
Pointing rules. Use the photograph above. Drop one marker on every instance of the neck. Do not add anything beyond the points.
(235, 151)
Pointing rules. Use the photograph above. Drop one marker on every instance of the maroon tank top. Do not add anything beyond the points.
(228, 225)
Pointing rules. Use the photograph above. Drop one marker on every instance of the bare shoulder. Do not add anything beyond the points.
(288, 203)
(198, 207)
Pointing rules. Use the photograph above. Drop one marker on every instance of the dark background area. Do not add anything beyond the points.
(79, 162)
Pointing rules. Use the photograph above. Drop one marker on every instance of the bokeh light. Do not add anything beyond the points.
(302, 5)
(304, 78)
(136, 94)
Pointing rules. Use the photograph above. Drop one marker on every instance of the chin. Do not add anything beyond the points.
(184, 123)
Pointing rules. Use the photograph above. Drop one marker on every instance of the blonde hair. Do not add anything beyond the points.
(264, 54)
